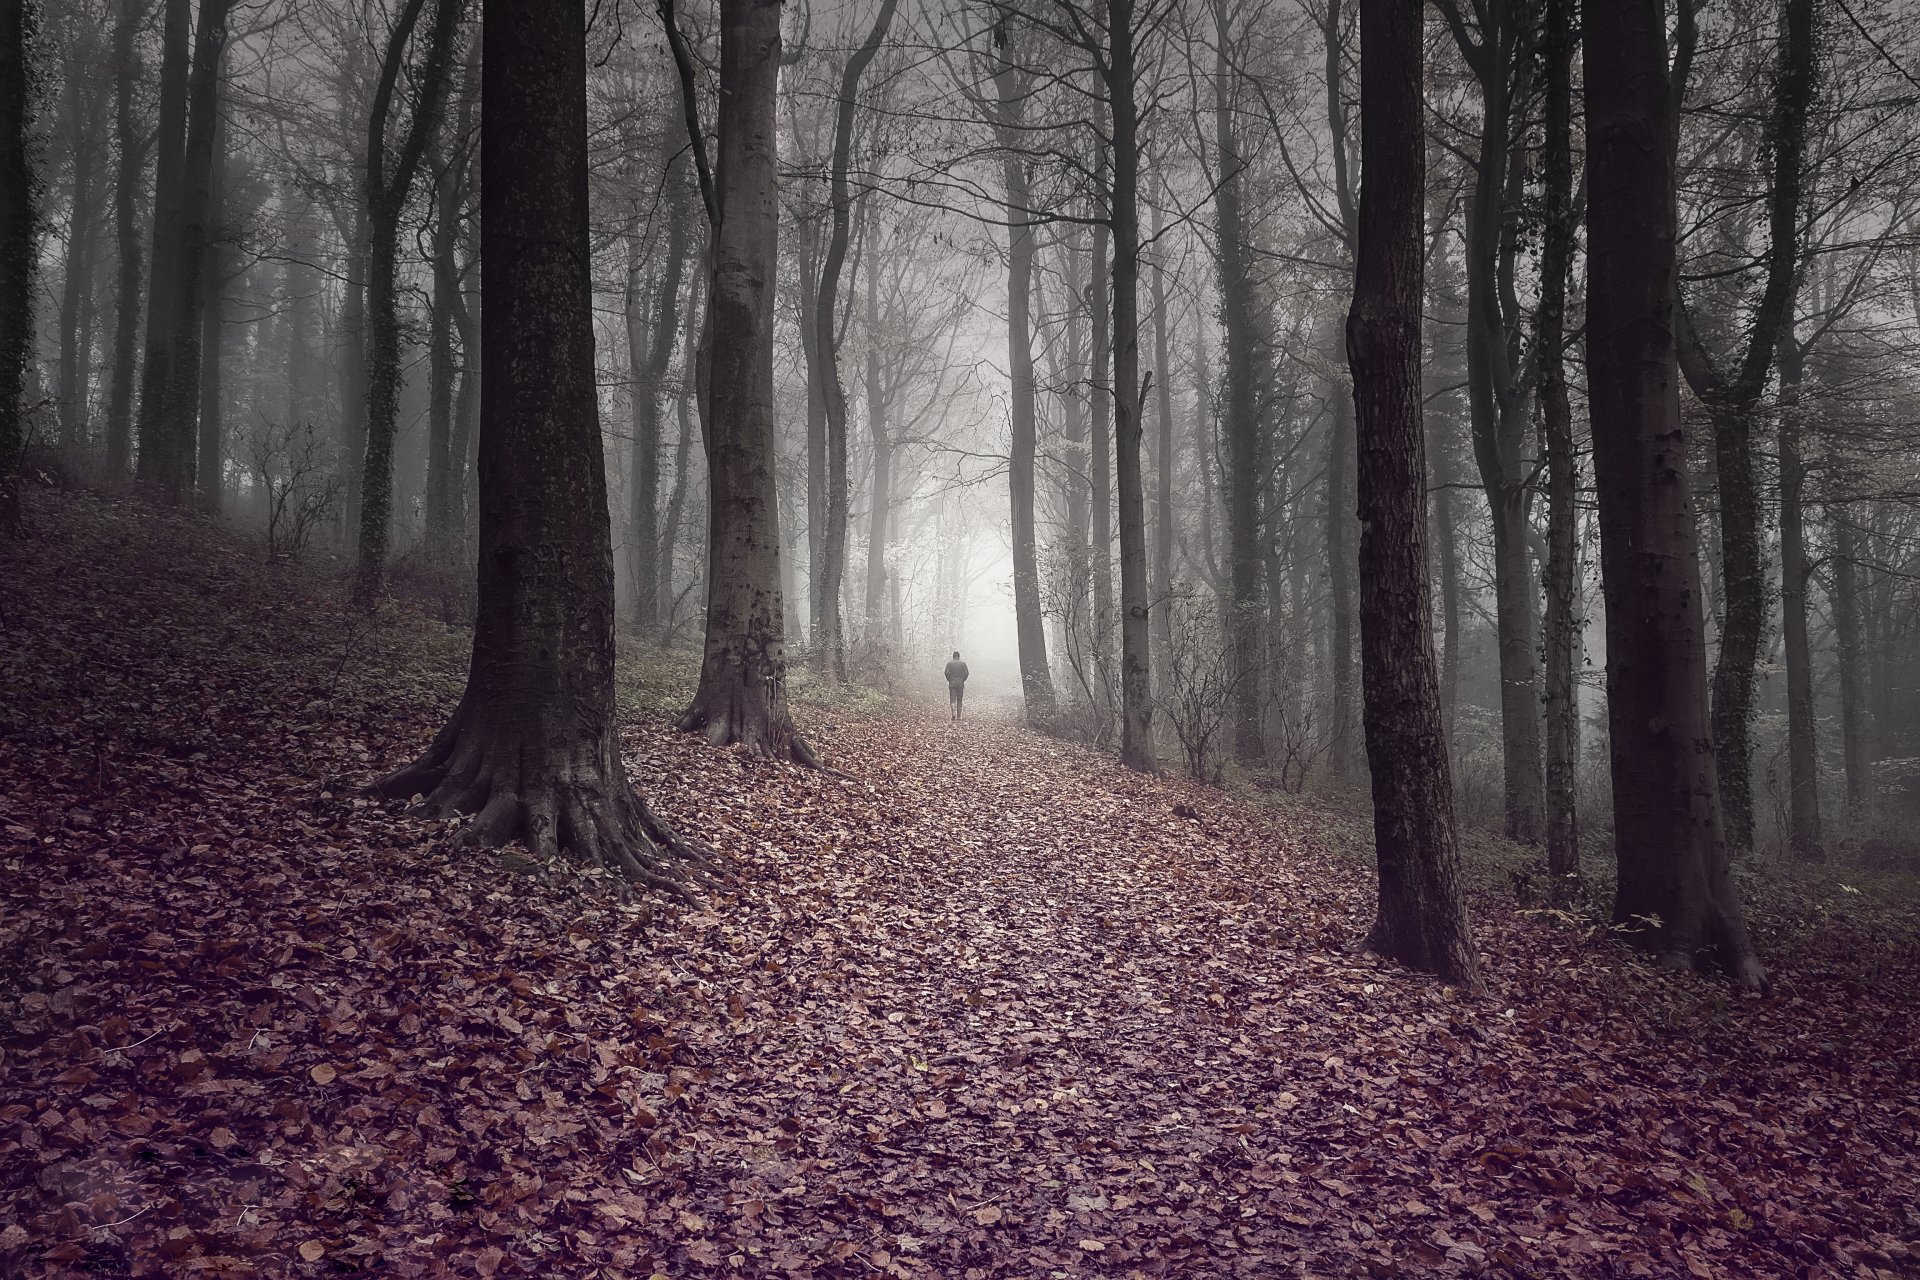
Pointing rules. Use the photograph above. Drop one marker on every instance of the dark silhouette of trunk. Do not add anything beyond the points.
(466, 409)
(1556, 410)
(159, 460)
(353, 367)
(682, 453)
(211, 451)
(83, 109)
(1100, 459)
(532, 751)
(1796, 573)
(1077, 475)
(16, 253)
(446, 464)
(651, 361)
(816, 436)
(1422, 919)
(1732, 398)
(1136, 692)
(1239, 410)
(389, 178)
(1341, 589)
(830, 636)
(1674, 895)
(1499, 57)
(1855, 718)
(130, 151)
(880, 502)
(1010, 88)
(1163, 467)
(743, 675)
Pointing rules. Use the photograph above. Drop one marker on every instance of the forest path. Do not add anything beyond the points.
(979, 1003)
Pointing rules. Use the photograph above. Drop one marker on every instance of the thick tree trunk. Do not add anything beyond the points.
(651, 361)
(389, 181)
(743, 675)
(1674, 895)
(442, 524)
(77, 285)
(1164, 459)
(130, 149)
(1340, 583)
(533, 751)
(1036, 681)
(1136, 692)
(1563, 624)
(159, 459)
(880, 501)
(682, 455)
(1240, 411)
(353, 368)
(1422, 919)
(1100, 459)
(1796, 573)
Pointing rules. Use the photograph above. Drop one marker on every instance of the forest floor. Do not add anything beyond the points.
(980, 1004)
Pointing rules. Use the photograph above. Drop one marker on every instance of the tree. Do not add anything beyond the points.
(742, 695)
(1732, 394)
(532, 750)
(650, 353)
(16, 246)
(390, 171)
(1422, 919)
(158, 461)
(1556, 412)
(1674, 895)
(1012, 86)
(131, 149)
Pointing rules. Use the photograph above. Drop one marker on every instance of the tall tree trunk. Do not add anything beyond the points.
(533, 749)
(211, 451)
(75, 358)
(1499, 401)
(1240, 408)
(1036, 682)
(1855, 717)
(650, 373)
(833, 543)
(1100, 461)
(1422, 918)
(389, 178)
(1341, 485)
(682, 451)
(1164, 466)
(743, 675)
(159, 460)
(1129, 392)
(1562, 694)
(880, 502)
(16, 252)
(130, 149)
(442, 526)
(353, 367)
(1796, 573)
(1674, 894)
(1732, 399)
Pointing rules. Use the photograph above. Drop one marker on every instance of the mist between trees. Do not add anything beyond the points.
(1295, 393)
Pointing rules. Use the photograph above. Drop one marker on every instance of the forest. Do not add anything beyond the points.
(950, 639)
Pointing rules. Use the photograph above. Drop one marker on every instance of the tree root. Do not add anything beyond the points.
(556, 800)
(758, 734)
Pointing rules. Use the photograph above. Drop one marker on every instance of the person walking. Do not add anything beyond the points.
(956, 682)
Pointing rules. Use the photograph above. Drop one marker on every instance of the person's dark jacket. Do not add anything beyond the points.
(956, 673)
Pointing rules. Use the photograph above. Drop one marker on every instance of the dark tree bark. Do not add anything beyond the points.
(880, 501)
(1136, 692)
(1036, 681)
(1732, 399)
(82, 111)
(682, 456)
(651, 361)
(389, 178)
(130, 151)
(532, 751)
(1422, 920)
(743, 675)
(1855, 717)
(446, 465)
(159, 460)
(1796, 573)
(831, 633)
(1341, 588)
(1240, 409)
(1163, 466)
(211, 449)
(1674, 895)
(1100, 451)
(16, 249)
(1562, 693)
(1500, 56)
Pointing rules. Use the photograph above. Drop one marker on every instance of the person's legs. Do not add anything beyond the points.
(953, 699)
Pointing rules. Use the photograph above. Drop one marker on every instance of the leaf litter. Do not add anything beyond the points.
(981, 1004)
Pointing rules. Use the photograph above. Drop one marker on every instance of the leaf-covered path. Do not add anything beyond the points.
(986, 1005)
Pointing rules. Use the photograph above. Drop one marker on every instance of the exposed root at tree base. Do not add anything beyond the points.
(757, 734)
(554, 801)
